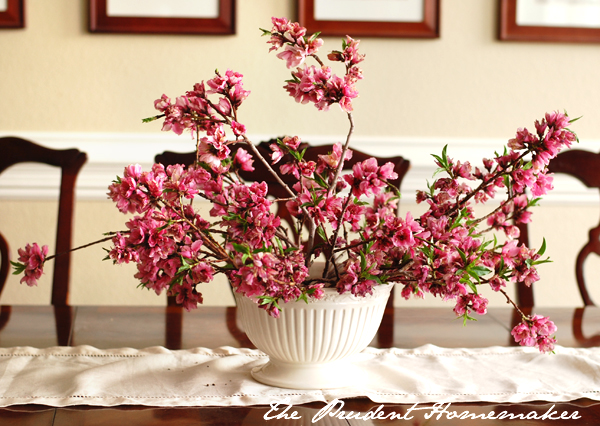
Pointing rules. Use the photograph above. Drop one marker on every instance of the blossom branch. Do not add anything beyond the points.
(93, 243)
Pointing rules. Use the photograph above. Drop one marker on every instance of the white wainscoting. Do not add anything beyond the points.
(108, 153)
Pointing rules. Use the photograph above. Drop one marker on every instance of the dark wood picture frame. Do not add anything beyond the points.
(428, 28)
(509, 30)
(14, 15)
(100, 22)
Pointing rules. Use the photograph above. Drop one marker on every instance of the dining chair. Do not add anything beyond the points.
(16, 150)
(585, 166)
(582, 338)
(277, 191)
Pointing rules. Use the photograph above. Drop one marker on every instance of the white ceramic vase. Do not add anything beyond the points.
(311, 345)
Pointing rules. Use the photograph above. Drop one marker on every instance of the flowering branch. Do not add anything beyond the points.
(365, 240)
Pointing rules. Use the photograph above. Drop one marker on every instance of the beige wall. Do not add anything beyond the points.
(56, 77)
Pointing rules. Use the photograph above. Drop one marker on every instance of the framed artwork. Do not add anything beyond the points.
(371, 18)
(550, 20)
(162, 17)
(12, 13)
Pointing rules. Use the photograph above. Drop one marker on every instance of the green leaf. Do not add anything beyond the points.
(279, 245)
(183, 268)
(265, 32)
(462, 255)
(542, 249)
(443, 160)
(19, 267)
(438, 158)
(437, 172)
(466, 318)
(480, 271)
(264, 249)
(268, 300)
(426, 250)
(363, 261)
(539, 262)
(321, 233)
(234, 216)
(431, 186)
(265, 299)
(320, 181)
(374, 278)
(314, 36)
(485, 245)
(241, 248)
(472, 286)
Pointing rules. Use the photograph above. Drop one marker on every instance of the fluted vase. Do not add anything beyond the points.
(312, 345)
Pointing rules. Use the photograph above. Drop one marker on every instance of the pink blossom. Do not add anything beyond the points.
(244, 160)
(122, 251)
(213, 149)
(557, 120)
(238, 128)
(523, 138)
(293, 55)
(367, 178)
(520, 213)
(542, 185)
(277, 154)
(202, 272)
(353, 281)
(332, 159)
(471, 302)
(32, 259)
(292, 142)
(535, 331)
(129, 195)
(187, 295)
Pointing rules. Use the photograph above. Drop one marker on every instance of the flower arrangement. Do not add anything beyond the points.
(354, 217)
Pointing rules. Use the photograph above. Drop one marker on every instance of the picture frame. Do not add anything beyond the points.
(118, 17)
(410, 19)
(549, 21)
(12, 14)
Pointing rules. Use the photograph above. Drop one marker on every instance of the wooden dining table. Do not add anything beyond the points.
(106, 327)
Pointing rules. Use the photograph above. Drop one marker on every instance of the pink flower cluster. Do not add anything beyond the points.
(196, 112)
(536, 331)
(292, 37)
(165, 239)
(317, 85)
(31, 263)
(350, 219)
(458, 257)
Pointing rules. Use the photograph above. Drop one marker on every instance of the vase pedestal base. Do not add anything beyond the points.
(329, 375)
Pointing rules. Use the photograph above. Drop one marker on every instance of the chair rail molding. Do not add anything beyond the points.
(109, 153)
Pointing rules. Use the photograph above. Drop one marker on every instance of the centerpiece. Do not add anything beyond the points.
(350, 240)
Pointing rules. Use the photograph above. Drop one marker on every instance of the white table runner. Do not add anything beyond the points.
(84, 375)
